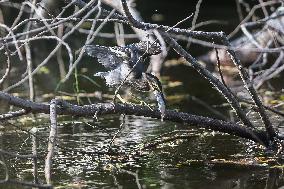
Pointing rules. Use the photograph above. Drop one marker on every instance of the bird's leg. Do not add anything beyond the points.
(141, 102)
(121, 99)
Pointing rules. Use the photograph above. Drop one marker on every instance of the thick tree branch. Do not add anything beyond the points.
(138, 110)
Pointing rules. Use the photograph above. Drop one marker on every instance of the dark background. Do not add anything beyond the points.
(176, 10)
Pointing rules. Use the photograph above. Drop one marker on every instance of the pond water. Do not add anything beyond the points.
(177, 164)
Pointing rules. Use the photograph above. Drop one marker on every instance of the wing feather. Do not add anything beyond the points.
(109, 57)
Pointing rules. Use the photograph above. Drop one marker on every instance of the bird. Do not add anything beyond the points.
(127, 65)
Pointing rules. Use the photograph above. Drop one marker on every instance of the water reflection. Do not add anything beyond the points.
(81, 159)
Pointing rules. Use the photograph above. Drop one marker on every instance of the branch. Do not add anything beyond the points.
(138, 110)
(14, 114)
(8, 68)
(51, 140)
(249, 86)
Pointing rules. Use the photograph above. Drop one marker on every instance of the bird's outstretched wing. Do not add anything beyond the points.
(109, 57)
(116, 76)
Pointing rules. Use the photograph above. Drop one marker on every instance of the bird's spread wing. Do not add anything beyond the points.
(116, 76)
(109, 57)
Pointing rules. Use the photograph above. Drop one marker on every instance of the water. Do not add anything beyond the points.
(178, 164)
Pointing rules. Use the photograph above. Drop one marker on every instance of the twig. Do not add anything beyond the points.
(15, 114)
(13, 38)
(59, 57)
(137, 180)
(220, 70)
(193, 23)
(6, 172)
(208, 107)
(121, 126)
(29, 58)
(266, 107)
(45, 61)
(51, 140)
(34, 151)
(253, 9)
(239, 10)
(8, 68)
(89, 40)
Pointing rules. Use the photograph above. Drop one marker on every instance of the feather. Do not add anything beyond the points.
(109, 57)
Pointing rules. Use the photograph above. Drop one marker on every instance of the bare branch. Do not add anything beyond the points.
(138, 110)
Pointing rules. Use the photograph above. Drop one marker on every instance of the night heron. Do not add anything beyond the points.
(127, 66)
